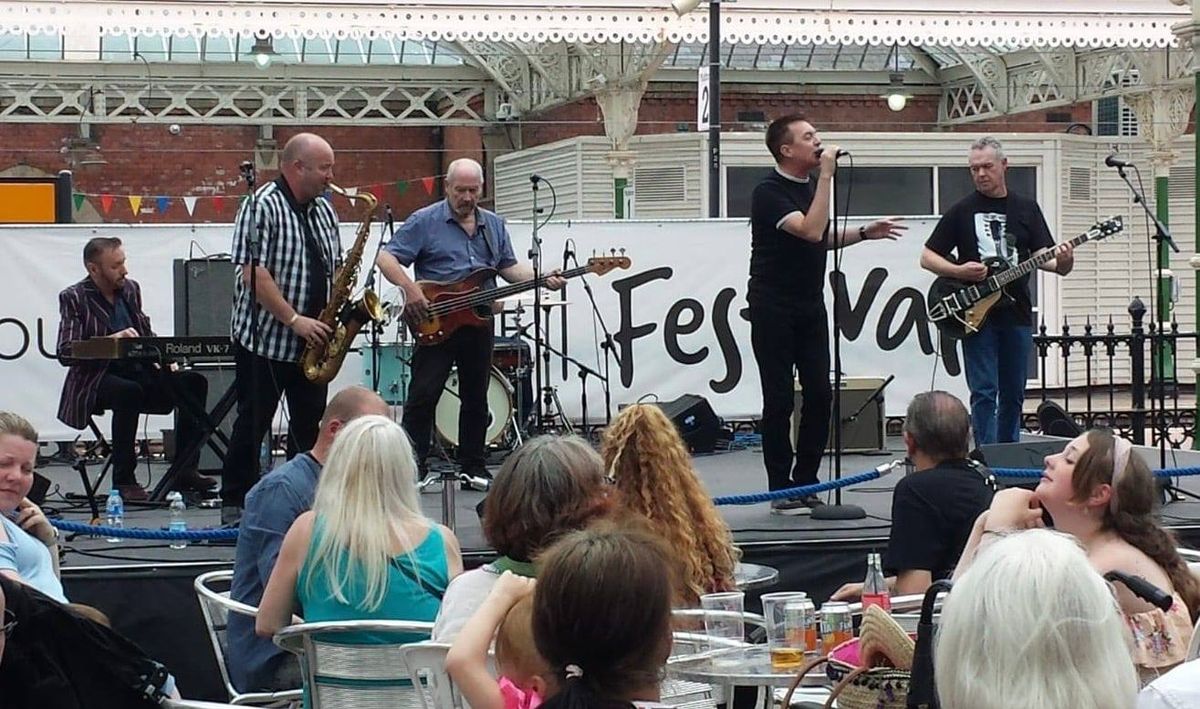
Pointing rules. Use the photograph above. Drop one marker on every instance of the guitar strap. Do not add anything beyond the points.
(488, 238)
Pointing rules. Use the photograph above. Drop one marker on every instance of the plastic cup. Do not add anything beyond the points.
(785, 633)
(723, 616)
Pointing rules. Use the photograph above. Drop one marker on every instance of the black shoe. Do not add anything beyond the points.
(789, 506)
(812, 502)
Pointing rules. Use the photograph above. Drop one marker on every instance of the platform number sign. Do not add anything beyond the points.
(702, 99)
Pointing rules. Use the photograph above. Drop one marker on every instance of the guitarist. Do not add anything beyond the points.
(447, 241)
(993, 223)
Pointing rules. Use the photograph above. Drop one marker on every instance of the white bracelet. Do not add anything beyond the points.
(295, 317)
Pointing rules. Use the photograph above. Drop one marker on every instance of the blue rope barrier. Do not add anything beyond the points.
(1037, 472)
(802, 491)
(191, 535)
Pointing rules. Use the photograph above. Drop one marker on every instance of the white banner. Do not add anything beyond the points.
(676, 315)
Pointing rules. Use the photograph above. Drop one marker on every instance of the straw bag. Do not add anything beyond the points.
(861, 682)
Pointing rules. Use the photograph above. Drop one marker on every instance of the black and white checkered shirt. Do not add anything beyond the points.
(283, 251)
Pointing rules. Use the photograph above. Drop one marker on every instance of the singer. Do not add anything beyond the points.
(992, 223)
(447, 241)
(789, 328)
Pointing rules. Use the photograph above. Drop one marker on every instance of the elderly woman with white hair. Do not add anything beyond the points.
(1032, 624)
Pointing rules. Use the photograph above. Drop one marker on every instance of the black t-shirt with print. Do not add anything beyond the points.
(979, 227)
(933, 512)
(783, 267)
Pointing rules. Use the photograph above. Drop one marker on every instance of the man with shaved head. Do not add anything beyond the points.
(287, 237)
(447, 241)
(256, 664)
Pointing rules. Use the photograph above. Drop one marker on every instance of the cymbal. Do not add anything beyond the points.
(546, 303)
(549, 299)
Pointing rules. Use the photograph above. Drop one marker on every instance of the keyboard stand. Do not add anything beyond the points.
(210, 426)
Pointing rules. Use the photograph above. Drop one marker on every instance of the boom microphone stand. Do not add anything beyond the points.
(606, 345)
(838, 510)
(251, 177)
(535, 258)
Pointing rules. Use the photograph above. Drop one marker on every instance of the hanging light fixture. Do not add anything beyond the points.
(263, 52)
(683, 7)
(896, 98)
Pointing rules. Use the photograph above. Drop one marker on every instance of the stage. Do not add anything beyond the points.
(145, 587)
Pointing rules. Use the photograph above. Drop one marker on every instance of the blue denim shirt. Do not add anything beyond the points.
(271, 506)
(439, 249)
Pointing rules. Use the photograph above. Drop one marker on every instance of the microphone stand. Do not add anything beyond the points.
(251, 177)
(1162, 234)
(606, 345)
(584, 371)
(837, 511)
(869, 400)
(535, 258)
(386, 228)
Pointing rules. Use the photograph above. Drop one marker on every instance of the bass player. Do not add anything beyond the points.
(447, 241)
(994, 223)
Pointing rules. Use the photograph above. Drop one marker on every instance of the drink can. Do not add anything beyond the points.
(800, 618)
(837, 624)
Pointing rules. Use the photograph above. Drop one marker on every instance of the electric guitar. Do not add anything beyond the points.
(958, 308)
(465, 303)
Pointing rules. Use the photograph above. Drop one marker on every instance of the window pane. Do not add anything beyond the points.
(885, 191)
(739, 185)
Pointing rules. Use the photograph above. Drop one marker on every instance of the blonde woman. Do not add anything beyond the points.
(652, 470)
(365, 551)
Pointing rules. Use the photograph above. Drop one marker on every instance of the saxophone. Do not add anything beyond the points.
(321, 363)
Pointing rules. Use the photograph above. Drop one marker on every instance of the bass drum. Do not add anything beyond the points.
(499, 403)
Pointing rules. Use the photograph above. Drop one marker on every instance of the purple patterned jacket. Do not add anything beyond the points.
(84, 312)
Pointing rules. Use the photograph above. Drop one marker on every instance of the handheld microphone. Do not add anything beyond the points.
(1143, 589)
(247, 170)
(391, 222)
(1114, 161)
(841, 153)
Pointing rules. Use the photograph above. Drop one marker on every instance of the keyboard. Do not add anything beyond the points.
(152, 348)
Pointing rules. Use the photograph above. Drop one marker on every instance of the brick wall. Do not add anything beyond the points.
(202, 161)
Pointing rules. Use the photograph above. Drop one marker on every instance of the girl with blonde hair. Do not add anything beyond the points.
(365, 551)
(650, 465)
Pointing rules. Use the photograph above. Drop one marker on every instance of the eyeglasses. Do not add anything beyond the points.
(10, 622)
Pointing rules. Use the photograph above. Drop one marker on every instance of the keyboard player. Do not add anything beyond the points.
(108, 304)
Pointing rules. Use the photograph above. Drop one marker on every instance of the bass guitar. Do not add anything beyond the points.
(958, 308)
(466, 303)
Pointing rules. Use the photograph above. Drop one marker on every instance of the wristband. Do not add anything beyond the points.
(295, 317)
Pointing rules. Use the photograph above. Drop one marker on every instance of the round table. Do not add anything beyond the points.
(749, 576)
(748, 666)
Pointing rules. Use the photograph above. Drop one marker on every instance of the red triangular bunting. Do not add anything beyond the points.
(428, 184)
(218, 202)
(106, 202)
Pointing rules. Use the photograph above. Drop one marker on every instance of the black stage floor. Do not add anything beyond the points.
(145, 587)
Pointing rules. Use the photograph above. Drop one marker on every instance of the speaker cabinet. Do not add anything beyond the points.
(203, 296)
(862, 417)
(696, 421)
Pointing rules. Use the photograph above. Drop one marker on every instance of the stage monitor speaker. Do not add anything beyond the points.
(696, 421)
(203, 296)
(864, 434)
(1022, 454)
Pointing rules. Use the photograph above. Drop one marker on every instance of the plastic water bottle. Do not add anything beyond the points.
(114, 512)
(264, 457)
(178, 523)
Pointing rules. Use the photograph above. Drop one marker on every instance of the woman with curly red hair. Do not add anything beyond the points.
(648, 462)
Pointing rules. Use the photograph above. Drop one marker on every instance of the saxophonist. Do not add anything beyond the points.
(298, 254)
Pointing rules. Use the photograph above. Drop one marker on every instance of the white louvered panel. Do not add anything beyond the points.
(1079, 184)
(557, 163)
(597, 183)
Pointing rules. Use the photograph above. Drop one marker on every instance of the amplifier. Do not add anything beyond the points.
(203, 296)
(865, 434)
(220, 378)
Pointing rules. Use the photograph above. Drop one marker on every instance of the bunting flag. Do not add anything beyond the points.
(135, 203)
(428, 183)
(376, 190)
(79, 200)
(106, 201)
(218, 201)
(401, 187)
(161, 203)
(350, 191)
(190, 204)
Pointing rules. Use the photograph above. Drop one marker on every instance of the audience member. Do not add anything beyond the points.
(507, 613)
(28, 542)
(1031, 624)
(549, 486)
(273, 504)
(650, 465)
(1177, 689)
(56, 657)
(365, 551)
(934, 508)
(1103, 494)
(602, 618)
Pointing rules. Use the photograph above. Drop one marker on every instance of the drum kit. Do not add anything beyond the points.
(510, 397)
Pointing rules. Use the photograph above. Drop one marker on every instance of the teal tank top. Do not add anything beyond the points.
(405, 598)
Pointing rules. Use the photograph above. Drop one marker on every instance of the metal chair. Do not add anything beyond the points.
(905, 609)
(426, 663)
(193, 704)
(686, 643)
(212, 589)
(339, 674)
